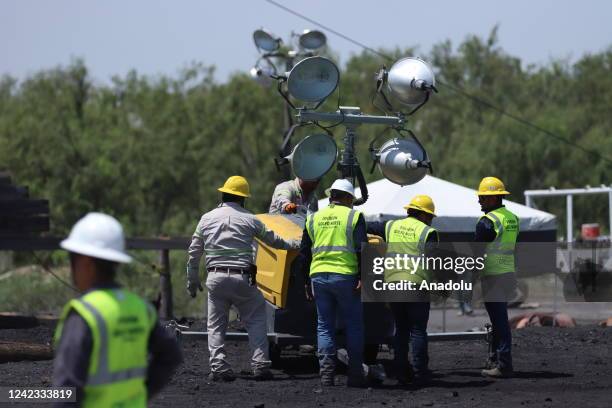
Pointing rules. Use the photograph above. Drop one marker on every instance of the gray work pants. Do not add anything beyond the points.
(225, 290)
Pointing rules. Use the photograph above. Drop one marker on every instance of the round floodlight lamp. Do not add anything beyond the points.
(312, 40)
(265, 40)
(313, 157)
(313, 79)
(410, 80)
(400, 159)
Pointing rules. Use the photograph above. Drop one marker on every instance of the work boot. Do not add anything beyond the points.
(421, 380)
(356, 381)
(224, 376)
(262, 374)
(497, 372)
(403, 380)
(491, 363)
(327, 369)
(327, 380)
(404, 374)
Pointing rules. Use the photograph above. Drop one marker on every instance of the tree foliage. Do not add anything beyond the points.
(153, 150)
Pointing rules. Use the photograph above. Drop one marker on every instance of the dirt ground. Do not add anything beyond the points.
(554, 368)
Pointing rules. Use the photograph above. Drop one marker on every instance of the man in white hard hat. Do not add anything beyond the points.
(108, 342)
(330, 256)
(226, 236)
(291, 196)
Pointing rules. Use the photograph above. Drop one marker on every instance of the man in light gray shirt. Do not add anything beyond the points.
(293, 196)
(226, 236)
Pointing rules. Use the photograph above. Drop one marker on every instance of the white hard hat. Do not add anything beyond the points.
(343, 185)
(99, 236)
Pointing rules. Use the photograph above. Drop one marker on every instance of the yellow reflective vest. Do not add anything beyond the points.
(120, 324)
(500, 253)
(331, 232)
(407, 236)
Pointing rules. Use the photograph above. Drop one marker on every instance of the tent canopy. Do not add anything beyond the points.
(457, 207)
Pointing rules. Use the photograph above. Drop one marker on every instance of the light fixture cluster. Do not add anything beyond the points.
(403, 89)
(307, 43)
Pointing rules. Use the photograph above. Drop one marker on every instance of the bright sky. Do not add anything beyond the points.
(160, 37)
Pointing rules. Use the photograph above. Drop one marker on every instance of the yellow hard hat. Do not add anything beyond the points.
(492, 186)
(422, 203)
(236, 185)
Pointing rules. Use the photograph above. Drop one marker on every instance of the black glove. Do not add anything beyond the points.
(308, 290)
(253, 275)
(193, 288)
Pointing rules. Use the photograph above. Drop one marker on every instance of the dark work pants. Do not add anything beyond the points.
(502, 336)
(411, 328)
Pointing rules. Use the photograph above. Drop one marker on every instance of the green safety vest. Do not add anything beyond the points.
(407, 237)
(500, 253)
(331, 232)
(120, 324)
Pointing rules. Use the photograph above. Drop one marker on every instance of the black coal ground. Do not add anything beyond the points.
(554, 368)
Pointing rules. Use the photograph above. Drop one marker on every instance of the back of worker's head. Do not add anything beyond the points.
(342, 192)
(96, 244)
(341, 197)
(422, 208)
(421, 216)
(231, 198)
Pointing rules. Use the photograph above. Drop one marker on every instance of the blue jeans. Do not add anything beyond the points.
(335, 293)
(502, 336)
(411, 328)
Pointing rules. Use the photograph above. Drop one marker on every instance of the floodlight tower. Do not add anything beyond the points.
(306, 44)
(402, 160)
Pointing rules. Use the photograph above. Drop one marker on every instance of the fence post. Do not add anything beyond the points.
(165, 283)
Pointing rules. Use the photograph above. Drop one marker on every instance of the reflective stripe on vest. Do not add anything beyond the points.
(400, 244)
(500, 252)
(333, 247)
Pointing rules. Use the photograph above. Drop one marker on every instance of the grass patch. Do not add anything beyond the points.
(30, 289)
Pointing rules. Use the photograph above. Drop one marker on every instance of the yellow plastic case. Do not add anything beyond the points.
(274, 265)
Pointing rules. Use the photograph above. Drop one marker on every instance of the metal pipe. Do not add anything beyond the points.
(570, 218)
(166, 309)
(347, 118)
(610, 213)
(348, 159)
(562, 192)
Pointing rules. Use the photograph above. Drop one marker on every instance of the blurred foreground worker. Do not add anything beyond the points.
(109, 344)
(411, 236)
(499, 229)
(226, 236)
(330, 256)
(291, 196)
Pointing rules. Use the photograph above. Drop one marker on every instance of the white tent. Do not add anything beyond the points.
(457, 207)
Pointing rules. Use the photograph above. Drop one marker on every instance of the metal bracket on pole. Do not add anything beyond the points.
(305, 115)
(351, 117)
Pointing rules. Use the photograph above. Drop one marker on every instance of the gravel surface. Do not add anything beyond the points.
(554, 368)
